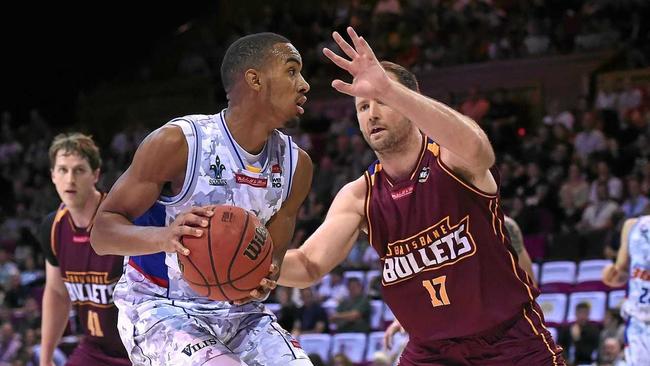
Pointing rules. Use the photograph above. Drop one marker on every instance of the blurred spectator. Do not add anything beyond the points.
(16, 294)
(353, 313)
(8, 269)
(580, 338)
(340, 359)
(380, 358)
(628, 99)
(311, 316)
(288, 314)
(590, 139)
(10, 344)
(475, 106)
(597, 219)
(611, 353)
(613, 327)
(635, 203)
(613, 184)
(574, 193)
(334, 290)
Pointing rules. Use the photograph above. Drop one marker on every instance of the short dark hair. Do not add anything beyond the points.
(248, 52)
(583, 306)
(404, 76)
(76, 143)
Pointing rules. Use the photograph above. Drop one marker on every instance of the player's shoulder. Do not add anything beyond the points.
(628, 224)
(355, 190)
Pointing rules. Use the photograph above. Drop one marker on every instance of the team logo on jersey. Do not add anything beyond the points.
(90, 287)
(439, 245)
(424, 174)
(217, 169)
(191, 348)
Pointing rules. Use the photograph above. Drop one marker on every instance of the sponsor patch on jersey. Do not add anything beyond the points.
(190, 349)
(295, 343)
(80, 239)
(275, 169)
(401, 193)
(251, 181)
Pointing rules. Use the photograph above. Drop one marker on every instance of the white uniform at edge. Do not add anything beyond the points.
(636, 307)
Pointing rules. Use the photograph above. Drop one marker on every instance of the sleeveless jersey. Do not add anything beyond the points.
(89, 279)
(448, 267)
(216, 174)
(637, 303)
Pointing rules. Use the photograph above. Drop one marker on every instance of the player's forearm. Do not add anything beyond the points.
(112, 233)
(449, 128)
(298, 271)
(56, 310)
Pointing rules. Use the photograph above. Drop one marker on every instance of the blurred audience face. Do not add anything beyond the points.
(602, 193)
(284, 295)
(611, 349)
(73, 178)
(603, 170)
(582, 314)
(307, 296)
(354, 287)
(633, 187)
(574, 172)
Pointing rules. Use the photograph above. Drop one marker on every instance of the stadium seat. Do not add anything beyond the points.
(317, 343)
(352, 345)
(376, 340)
(361, 275)
(557, 276)
(615, 299)
(590, 273)
(388, 316)
(597, 300)
(554, 308)
(376, 314)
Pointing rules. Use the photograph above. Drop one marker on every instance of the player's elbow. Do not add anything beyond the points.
(97, 240)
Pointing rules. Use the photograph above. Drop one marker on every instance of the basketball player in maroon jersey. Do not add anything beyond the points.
(76, 277)
(431, 208)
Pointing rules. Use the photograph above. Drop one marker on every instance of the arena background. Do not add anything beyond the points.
(561, 87)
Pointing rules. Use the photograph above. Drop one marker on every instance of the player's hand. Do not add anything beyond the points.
(393, 328)
(190, 223)
(262, 292)
(613, 277)
(369, 78)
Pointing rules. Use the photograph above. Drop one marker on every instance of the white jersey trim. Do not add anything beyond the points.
(193, 138)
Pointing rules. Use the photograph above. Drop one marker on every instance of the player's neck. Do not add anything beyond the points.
(82, 215)
(398, 164)
(246, 129)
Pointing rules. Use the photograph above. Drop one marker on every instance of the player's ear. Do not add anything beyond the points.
(253, 79)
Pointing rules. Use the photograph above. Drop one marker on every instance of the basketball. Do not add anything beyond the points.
(231, 257)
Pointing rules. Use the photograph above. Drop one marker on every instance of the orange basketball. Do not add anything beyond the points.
(231, 257)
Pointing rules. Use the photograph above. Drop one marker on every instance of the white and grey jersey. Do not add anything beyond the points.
(637, 303)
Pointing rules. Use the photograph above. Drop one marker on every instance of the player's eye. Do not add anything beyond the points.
(292, 72)
(363, 107)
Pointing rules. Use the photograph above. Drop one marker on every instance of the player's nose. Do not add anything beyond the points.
(304, 85)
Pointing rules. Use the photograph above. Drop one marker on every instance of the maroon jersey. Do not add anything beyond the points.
(88, 277)
(448, 267)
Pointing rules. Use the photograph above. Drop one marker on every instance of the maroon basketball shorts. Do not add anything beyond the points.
(88, 353)
(520, 341)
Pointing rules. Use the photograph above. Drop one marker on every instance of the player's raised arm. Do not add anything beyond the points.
(332, 241)
(464, 146)
(617, 274)
(159, 163)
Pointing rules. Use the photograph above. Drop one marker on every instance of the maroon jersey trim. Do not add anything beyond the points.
(495, 218)
(514, 269)
(53, 231)
(538, 333)
(369, 183)
(448, 170)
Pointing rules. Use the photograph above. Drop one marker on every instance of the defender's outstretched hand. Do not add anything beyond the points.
(369, 78)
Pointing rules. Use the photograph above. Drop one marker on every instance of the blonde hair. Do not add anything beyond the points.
(76, 143)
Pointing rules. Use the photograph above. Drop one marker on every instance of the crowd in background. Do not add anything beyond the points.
(569, 181)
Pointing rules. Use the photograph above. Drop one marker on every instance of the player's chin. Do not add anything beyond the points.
(292, 122)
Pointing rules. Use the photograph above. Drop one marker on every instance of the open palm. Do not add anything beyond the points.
(369, 78)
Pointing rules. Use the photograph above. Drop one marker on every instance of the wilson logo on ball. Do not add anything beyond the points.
(254, 248)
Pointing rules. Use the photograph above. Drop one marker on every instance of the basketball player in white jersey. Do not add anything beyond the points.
(235, 157)
(633, 266)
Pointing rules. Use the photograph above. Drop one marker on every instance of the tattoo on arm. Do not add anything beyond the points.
(516, 238)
